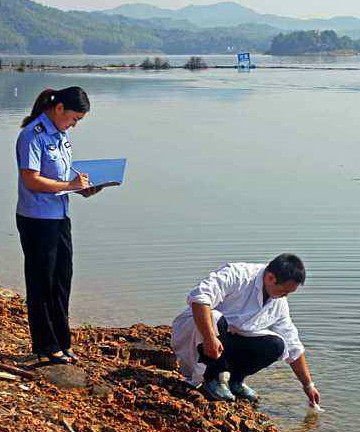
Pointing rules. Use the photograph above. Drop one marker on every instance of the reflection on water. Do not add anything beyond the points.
(222, 166)
(311, 422)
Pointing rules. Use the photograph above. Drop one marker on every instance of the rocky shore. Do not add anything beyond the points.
(127, 380)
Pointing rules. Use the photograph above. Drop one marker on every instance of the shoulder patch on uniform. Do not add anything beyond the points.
(39, 128)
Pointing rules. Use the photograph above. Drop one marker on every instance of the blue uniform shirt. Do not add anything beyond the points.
(42, 147)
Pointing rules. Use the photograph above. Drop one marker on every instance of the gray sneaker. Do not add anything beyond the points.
(218, 390)
(242, 390)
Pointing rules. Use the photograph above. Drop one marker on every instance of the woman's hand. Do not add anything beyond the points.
(81, 181)
(92, 190)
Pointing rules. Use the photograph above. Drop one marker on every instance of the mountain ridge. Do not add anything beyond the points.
(30, 28)
(233, 14)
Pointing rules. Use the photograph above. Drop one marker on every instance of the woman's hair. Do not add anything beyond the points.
(73, 98)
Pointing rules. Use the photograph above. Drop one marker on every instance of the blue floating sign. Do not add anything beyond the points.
(243, 57)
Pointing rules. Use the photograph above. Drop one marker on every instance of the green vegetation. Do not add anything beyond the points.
(22, 66)
(313, 41)
(195, 63)
(156, 64)
(217, 40)
(28, 27)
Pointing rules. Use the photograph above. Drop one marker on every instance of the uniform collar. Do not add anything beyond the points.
(51, 129)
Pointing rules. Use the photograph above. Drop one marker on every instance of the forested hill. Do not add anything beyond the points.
(312, 42)
(28, 27)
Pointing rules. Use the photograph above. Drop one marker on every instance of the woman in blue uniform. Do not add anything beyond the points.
(44, 157)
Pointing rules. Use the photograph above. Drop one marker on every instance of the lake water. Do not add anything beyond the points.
(222, 166)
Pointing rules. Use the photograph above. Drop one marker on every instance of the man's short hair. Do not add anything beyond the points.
(286, 267)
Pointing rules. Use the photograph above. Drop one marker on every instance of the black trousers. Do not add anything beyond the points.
(242, 356)
(48, 253)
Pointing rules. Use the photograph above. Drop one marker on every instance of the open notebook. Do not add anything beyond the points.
(102, 172)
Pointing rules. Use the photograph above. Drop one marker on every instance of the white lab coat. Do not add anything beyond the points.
(235, 291)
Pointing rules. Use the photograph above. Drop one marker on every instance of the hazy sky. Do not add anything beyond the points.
(303, 8)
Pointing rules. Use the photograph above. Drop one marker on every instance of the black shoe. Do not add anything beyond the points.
(55, 359)
(71, 355)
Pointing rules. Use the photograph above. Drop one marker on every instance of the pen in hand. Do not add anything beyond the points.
(79, 174)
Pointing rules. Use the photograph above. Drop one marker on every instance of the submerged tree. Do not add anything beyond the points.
(156, 64)
(147, 64)
(195, 63)
(21, 66)
(161, 64)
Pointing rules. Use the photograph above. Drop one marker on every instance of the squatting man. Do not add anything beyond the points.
(237, 323)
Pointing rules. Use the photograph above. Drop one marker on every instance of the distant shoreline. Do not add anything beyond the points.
(117, 68)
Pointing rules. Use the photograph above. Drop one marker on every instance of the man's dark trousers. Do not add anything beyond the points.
(242, 356)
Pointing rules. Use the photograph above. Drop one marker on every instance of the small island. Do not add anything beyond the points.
(313, 42)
